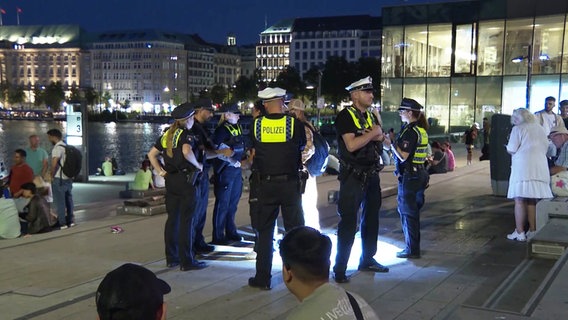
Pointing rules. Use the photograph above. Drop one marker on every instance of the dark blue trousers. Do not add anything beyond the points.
(228, 190)
(410, 200)
(201, 209)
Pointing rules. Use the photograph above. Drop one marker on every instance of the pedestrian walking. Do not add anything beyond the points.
(181, 170)
(360, 147)
(278, 141)
(228, 180)
(410, 150)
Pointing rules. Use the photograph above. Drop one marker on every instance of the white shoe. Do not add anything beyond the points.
(250, 256)
(63, 227)
(72, 224)
(530, 234)
(517, 236)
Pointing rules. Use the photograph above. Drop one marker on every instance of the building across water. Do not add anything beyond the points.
(466, 60)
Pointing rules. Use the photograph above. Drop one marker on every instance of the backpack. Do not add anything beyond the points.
(317, 163)
(73, 161)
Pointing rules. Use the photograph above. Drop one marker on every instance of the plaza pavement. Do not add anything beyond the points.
(465, 258)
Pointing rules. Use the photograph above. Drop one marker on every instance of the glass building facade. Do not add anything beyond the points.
(470, 59)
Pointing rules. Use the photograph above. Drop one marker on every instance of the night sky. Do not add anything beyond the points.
(212, 19)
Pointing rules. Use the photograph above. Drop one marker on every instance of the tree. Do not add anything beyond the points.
(91, 96)
(75, 94)
(367, 66)
(39, 95)
(106, 97)
(245, 89)
(4, 90)
(218, 94)
(290, 80)
(54, 95)
(337, 75)
(16, 95)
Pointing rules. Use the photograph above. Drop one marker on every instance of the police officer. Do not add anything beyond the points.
(278, 141)
(178, 148)
(207, 150)
(360, 147)
(410, 149)
(228, 182)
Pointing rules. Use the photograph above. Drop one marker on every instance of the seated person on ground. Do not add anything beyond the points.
(107, 167)
(438, 162)
(115, 170)
(559, 137)
(450, 156)
(131, 292)
(35, 215)
(305, 256)
(143, 179)
(9, 221)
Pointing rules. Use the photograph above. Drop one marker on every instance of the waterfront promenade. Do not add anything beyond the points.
(465, 258)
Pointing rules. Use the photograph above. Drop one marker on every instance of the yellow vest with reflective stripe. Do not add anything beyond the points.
(164, 139)
(422, 145)
(368, 118)
(274, 130)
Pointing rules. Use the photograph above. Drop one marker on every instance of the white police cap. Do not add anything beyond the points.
(271, 93)
(362, 84)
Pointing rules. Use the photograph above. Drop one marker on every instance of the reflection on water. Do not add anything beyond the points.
(127, 142)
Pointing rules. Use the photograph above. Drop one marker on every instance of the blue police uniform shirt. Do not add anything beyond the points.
(222, 135)
(406, 141)
(204, 142)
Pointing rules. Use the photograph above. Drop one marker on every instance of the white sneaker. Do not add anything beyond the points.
(250, 256)
(72, 224)
(63, 227)
(517, 236)
(530, 234)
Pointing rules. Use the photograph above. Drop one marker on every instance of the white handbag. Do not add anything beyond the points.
(559, 184)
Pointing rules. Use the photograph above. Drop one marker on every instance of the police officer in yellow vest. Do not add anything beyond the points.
(410, 150)
(178, 149)
(278, 141)
(360, 147)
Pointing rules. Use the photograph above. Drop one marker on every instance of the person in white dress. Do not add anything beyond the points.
(530, 179)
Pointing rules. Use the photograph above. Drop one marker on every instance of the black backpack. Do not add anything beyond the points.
(317, 163)
(73, 161)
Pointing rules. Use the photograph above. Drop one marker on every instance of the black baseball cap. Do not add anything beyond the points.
(127, 288)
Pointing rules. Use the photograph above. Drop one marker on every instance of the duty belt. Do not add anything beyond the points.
(280, 177)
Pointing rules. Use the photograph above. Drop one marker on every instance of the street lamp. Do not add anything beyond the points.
(528, 58)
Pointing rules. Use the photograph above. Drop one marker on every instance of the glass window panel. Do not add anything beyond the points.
(488, 98)
(547, 47)
(541, 87)
(490, 51)
(392, 52)
(392, 94)
(465, 49)
(415, 51)
(462, 95)
(437, 104)
(564, 88)
(514, 93)
(517, 43)
(415, 89)
(439, 50)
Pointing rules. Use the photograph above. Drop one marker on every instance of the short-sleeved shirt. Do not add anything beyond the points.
(442, 166)
(368, 155)
(331, 302)
(178, 161)
(407, 141)
(35, 158)
(19, 175)
(58, 152)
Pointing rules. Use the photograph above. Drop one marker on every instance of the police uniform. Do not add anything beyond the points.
(228, 182)
(278, 141)
(412, 180)
(180, 195)
(204, 143)
(359, 184)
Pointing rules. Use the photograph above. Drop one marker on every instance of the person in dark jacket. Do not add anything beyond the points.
(36, 212)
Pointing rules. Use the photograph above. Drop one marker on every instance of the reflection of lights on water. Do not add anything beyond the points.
(460, 225)
(110, 128)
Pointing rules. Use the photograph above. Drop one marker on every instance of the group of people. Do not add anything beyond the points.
(538, 144)
(35, 181)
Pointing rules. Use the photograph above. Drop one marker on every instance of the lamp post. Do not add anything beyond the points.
(319, 103)
(519, 59)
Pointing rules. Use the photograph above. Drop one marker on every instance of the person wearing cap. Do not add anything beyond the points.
(178, 147)
(207, 150)
(470, 136)
(309, 198)
(131, 292)
(410, 152)
(546, 117)
(559, 137)
(228, 181)
(305, 256)
(529, 180)
(359, 140)
(278, 140)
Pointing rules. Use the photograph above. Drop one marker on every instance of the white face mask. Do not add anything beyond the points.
(232, 118)
(189, 122)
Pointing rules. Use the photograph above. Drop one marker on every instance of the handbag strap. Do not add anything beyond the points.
(355, 306)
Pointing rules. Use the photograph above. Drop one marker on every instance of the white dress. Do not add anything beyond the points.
(530, 177)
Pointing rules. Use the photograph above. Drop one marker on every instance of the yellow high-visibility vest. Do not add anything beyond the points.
(421, 145)
(164, 139)
(368, 118)
(274, 130)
